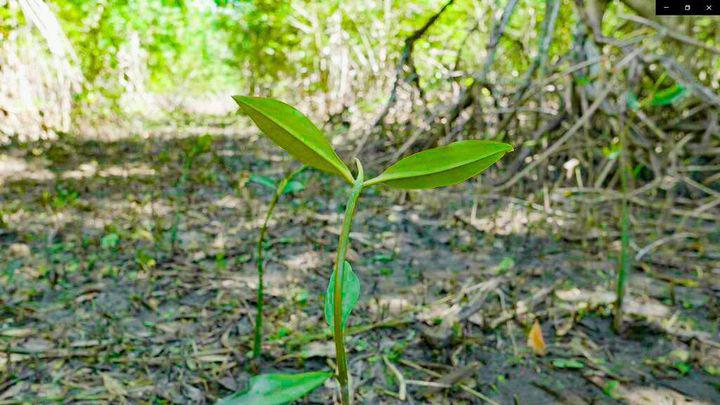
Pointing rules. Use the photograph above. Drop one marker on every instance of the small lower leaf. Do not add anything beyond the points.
(442, 166)
(294, 186)
(668, 96)
(568, 363)
(263, 181)
(350, 296)
(270, 389)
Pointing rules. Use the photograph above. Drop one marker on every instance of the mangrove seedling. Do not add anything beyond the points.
(624, 260)
(195, 148)
(287, 185)
(437, 167)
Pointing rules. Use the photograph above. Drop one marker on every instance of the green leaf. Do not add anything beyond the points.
(506, 264)
(583, 80)
(611, 388)
(350, 296)
(568, 363)
(269, 389)
(110, 241)
(682, 367)
(294, 186)
(295, 133)
(262, 180)
(442, 166)
(203, 144)
(632, 101)
(668, 96)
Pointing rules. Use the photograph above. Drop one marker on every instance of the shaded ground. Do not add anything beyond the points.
(116, 283)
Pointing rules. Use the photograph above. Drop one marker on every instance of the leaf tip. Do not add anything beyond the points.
(244, 101)
(240, 99)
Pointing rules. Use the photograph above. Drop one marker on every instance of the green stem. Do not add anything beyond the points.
(257, 345)
(180, 185)
(624, 266)
(624, 262)
(338, 334)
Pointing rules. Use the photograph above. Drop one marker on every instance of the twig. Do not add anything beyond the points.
(642, 252)
(552, 149)
(466, 97)
(552, 8)
(406, 60)
(681, 75)
(438, 375)
(669, 33)
(402, 390)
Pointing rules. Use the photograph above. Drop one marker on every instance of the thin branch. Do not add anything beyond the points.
(674, 34)
(552, 149)
(406, 61)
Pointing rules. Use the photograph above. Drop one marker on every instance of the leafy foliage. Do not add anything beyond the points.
(428, 169)
(295, 133)
(443, 166)
(350, 295)
(271, 389)
(264, 181)
(668, 96)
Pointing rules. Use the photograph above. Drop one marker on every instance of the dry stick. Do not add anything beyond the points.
(707, 206)
(699, 186)
(610, 195)
(466, 97)
(662, 30)
(548, 127)
(642, 252)
(405, 60)
(650, 124)
(458, 56)
(674, 211)
(455, 376)
(570, 70)
(438, 375)
(552, 7)
(679, 73)
(549, 151)
(402, 390)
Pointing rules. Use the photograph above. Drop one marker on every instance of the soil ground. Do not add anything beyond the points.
(98, 304)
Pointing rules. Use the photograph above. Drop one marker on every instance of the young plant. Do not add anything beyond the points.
(287, 185)
(438, 167)
(196, 148)
(625, 259)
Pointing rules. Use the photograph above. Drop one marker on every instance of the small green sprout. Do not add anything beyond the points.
(437, 167)
(287, 185)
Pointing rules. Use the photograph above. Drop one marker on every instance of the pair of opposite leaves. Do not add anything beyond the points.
(295, 133)
(438, 167)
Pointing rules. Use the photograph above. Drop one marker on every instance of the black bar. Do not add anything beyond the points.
(687, 7)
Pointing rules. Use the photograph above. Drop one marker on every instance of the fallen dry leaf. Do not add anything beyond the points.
(535, 340)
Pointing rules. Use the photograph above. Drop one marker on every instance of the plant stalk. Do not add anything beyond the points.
(181, 186)
(338, 332)
(257, 344)
(624, 261)
(624, 267)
